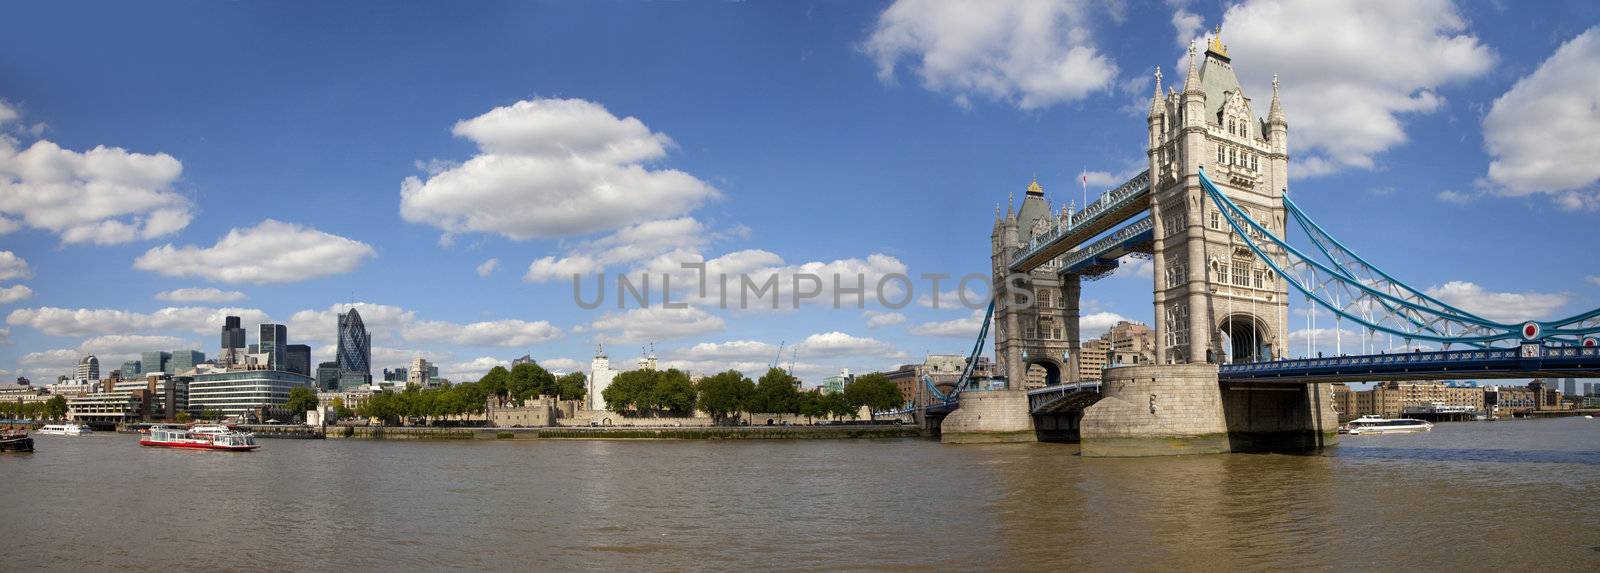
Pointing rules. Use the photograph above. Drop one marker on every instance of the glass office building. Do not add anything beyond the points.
(242, 392)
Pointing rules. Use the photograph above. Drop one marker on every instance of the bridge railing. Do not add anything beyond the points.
(1411, 358)
(1115, 199)
(1107, 243)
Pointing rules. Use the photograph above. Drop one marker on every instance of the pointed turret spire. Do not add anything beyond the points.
(1191, 83)
(1011, 201)
(1156, 109)
(1275, 115)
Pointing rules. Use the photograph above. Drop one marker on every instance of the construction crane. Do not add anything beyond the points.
(777, 359)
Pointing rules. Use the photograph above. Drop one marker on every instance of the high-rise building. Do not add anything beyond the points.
(183, 361)
(328, 376)
(600, 376)
(155, 361)
(233, 343)
(354, 353)
(273, 343)
(88, 368)
(1570, 387)
(420, 373)
(836, 384)
(297, 359)
(131, 369)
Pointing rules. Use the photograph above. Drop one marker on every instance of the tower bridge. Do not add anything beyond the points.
(1212, 214)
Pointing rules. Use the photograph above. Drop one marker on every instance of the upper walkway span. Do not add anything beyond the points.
(1111, 209)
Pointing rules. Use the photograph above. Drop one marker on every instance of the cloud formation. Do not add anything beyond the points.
(1541, 133)
(1028, 53)
(270, 252)
(552, 168)
(206, 294)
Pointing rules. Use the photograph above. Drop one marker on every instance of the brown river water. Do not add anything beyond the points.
(1521, 495)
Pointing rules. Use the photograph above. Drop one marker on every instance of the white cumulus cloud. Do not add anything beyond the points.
(1507, 307)
(655, 324)
(552, 168)
(15, 293)
(487, 267)
(1030, 53)
(1541, 133)
(1351, 71)
(13, 267)
(106, 195)
(85, 321)
(271, 252)
(200, 295)
(876, 319)
(835, 344)
(511, 333)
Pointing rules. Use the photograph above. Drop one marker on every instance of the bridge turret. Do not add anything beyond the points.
(1194, 95)
(1277, 125)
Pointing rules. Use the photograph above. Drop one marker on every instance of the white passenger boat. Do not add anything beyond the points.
(65, 430)
(199, 437)
(1371, 424)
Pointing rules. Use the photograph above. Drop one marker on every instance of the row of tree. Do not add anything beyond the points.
(728, 395)
(509, 386)
(53, 409)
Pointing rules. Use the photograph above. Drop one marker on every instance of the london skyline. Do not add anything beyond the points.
(280, 170)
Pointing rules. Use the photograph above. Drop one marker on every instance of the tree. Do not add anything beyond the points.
(875, 391)
(211, 414)
(572, 386)
(301, 399)
(339, 408)
(497, 382)
(530, 380)
(673, 393)
(725, 395)
(809, 404)
(839, 407)
(182, 418)
(777, 392)
(56, 407)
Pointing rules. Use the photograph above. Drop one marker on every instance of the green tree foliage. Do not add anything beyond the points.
(430, 404)
(183, 418)
(725, 395)
(875, 391)
(530, 381)
(572, 386)
(651, 392)
(56, 407)
(777, 392)
(497, 382)
(301, 399)
(836, 405)
(340, 410)
(211, 414)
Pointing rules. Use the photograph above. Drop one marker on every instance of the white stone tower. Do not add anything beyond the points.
(1035, 329)
(1215, 301)
(600, 376)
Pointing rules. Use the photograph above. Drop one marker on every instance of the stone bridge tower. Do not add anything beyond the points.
(1215, 301)
(1036, 327)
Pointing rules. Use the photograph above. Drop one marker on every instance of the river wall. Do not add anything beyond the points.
(625, 433)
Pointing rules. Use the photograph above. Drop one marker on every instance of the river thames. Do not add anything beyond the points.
(1472, 496)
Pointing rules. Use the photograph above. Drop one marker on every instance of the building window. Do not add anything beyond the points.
(1258, 274)
(1241, 271)
(1253, 165)
(1177, 272)
(1221, 155)
(1216, 220)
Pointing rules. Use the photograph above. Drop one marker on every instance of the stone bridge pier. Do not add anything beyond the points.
(1174, 409)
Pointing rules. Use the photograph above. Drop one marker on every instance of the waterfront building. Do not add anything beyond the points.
(273, 342)
(943, 369)
(114, 407)
(23, 393)
(395, 375)
(88, 368)
(155, 361)
(73, 386)
(1343, 400)
(354, 351)
(184, 361)
(328, 376)
(1093, 355)
(835, 384)
(297, 359)
(161, 390)
(1394, 398)
(600, 377)
(243, 393)
(131, 369)
(352, 398)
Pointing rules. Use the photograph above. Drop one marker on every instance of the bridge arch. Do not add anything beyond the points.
(1244, 337)
(1051, 369)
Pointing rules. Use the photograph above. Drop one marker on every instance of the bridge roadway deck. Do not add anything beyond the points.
(1120, 204)
(1488, 363)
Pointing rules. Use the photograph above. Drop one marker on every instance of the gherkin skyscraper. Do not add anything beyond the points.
(355, 350)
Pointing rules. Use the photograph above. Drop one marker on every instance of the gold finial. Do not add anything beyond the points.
(1215, 46)
(1034, 188)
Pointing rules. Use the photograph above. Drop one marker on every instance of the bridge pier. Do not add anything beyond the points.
(1176, 409)
(987, 417)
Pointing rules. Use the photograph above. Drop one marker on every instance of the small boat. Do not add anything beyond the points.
(15, 441)
(1372, 424)
(65, 430)
(208, 438)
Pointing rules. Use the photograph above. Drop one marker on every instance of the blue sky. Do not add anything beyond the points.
(766, 136)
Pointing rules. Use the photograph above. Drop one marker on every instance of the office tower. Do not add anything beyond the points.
(88, 368)
(184, 361)
(354, 353)
(155, 361)
(233, 343)
(328, 376)
(274, 338)
(131, 369)
(297, 359)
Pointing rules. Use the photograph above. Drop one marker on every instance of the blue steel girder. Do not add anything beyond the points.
(1345, 296)
(1120, 204)
(1109, 248)
(1532, 360)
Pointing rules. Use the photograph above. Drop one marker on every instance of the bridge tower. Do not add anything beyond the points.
(1215, 301)
(1036, 327)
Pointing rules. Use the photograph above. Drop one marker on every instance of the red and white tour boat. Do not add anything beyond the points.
(200, 437)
